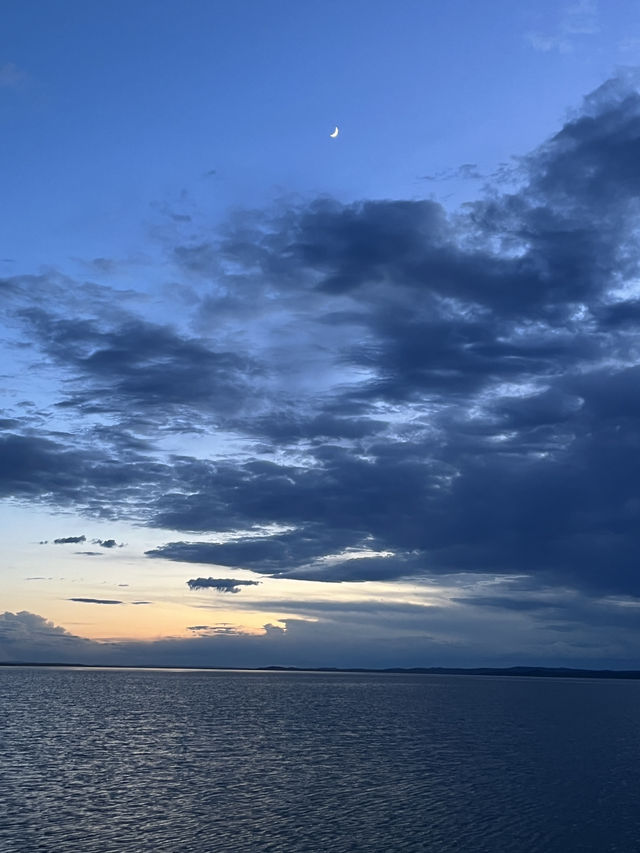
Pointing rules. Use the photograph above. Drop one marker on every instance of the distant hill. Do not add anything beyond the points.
(512, 671)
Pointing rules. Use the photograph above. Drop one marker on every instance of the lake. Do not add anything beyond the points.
(168, 761)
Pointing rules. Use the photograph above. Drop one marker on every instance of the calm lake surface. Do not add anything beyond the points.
(134, 761)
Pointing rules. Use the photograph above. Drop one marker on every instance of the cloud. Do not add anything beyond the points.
(103, 265)
(150, 366)
(220, 584)
(107, 543)
(629, 44)
(27, 637)
(387, 390)
(300, 554)
(504, 602)
(62, 473)
(11, 77)
(221, 629)
(89, 553)
(581, 18)
(70, 540)
(267, 554)
(95, 601)
(577, 19)
(465, 172)
(361, 634)
(547, 43)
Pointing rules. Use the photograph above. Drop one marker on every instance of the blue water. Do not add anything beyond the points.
(133, 761)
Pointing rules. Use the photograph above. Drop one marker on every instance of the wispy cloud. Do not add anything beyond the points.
(95, 601)
(465, 172)
(12, 77)
(578, 19)
(582, 18)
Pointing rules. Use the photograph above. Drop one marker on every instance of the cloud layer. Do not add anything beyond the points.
(379, 389)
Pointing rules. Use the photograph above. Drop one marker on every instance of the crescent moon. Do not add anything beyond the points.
(334, 134)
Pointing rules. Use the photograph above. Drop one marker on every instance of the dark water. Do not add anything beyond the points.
(95, 761)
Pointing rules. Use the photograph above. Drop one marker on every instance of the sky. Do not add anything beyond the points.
(269, 397)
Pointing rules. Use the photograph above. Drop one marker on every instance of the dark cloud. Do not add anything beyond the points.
(503, 602)
(55, 471)
(268, 554)
(141, 602)
(88, 553)
(95, 601)
(293, 555)
(70, 540)
(220, 584)
(148, 365)
(107, 543)
(27, 637)
(498, 332)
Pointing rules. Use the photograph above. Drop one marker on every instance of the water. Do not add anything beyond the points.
(133, 761)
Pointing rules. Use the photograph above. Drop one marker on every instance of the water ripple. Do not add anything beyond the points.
(131, 761)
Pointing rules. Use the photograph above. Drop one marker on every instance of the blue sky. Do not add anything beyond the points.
(118, 106)
(356, 401)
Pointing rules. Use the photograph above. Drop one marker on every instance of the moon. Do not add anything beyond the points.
(334, 134)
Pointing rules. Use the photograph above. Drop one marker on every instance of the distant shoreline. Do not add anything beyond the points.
(513, 671)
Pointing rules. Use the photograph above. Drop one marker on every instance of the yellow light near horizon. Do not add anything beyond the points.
(149, 622)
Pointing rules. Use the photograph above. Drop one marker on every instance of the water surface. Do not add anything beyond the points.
(148, 761)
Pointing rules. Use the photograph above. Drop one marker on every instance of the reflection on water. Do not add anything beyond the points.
(131, 761)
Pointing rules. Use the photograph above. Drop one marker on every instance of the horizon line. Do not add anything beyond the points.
(510, 671)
